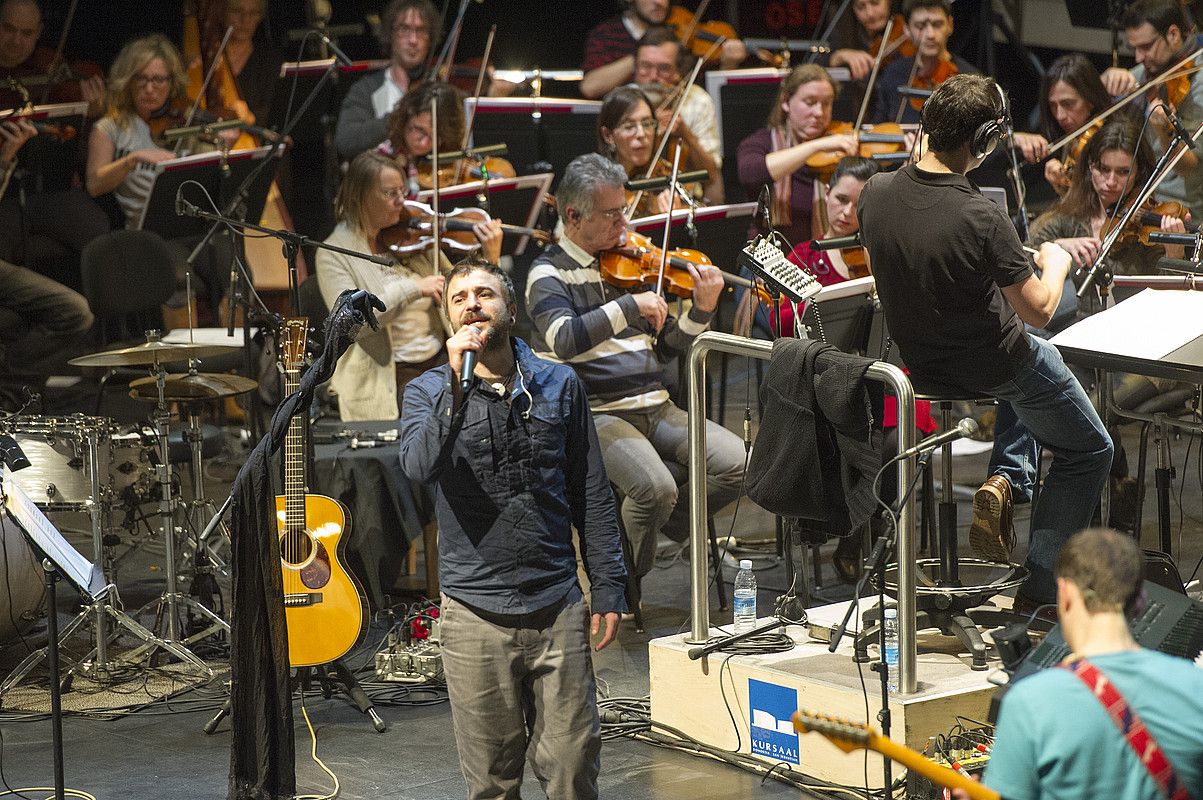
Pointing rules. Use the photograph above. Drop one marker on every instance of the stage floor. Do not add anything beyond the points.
(162, 751)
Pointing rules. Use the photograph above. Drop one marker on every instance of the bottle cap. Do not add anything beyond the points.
(891, 612)
(745, 563)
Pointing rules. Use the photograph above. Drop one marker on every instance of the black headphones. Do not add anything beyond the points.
(990, 133)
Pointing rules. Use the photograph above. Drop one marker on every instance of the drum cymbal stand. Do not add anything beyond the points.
(96, 665)
(167, 606)
(200, 509)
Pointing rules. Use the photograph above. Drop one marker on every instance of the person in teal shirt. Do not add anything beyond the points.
(1054, 738)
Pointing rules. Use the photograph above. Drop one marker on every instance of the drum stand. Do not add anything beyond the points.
(97, 665)
(169, 603)
(200, 509)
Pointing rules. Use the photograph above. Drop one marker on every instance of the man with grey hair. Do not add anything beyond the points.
(619, 342)
(1116, 704)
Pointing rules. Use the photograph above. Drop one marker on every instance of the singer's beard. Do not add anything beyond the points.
(499, 331)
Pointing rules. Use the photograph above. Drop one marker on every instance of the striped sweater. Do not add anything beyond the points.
(597, 329)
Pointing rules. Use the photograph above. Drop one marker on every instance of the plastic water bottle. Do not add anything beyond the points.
(745, 597)
(890, 650)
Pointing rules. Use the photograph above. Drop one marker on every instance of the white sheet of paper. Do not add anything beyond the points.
(1149, 325)
(206, 336)
(79, 570)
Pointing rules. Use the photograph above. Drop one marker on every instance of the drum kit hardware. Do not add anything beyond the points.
(87, 464)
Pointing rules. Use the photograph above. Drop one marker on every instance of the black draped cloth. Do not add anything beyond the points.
(262, 757)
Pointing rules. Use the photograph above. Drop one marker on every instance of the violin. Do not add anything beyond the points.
(1147, 221)
(943, 71)
(415, 231)
(857, 261)
(464, 170)
(900, 43)
(1073, 153)
(699, 37)
(886, 137)
(636, 267)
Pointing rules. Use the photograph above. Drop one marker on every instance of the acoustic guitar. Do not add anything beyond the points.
(849, 736)
(323, 603)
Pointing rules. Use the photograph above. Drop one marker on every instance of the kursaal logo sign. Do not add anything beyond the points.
(773, 733)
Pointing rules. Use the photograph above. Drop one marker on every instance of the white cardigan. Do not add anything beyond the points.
(365, 377)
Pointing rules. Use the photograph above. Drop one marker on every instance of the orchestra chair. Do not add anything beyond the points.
(634, 590)
(952, 589)
(126, 276)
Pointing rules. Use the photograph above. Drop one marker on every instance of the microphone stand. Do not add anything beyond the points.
(1160, 171)
(835, 19)
(1021, 195)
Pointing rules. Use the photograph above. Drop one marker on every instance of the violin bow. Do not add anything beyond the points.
(668, 218)
(651, 166)
(480, 83)
(447, 56)
(910, 79)
(436, 223)
(1173, 72)
(58, 51)
(693, 23)
(864, 103)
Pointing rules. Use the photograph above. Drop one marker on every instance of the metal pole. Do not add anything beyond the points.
(907, 549)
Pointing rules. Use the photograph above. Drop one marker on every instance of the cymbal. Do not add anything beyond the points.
(155, 352)
(192, 386)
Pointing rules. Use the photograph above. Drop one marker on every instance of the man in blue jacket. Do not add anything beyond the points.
(515, 464)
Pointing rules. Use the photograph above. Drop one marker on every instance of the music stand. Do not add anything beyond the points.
(537, 130)
(515, 201)
(159, 214)
(743, 99)
(298, 79)
(843, 314)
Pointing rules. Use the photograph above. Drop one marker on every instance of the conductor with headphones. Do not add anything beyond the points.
(956, 287)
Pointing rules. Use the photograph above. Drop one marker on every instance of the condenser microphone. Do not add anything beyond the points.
(964, 428)
(338, 53)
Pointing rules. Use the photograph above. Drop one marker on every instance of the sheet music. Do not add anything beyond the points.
(1149, 325)
(80, 571)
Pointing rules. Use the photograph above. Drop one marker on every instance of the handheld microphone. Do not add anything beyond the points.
(836, 242)
(468, 366)
(338, 53)
(966, 427)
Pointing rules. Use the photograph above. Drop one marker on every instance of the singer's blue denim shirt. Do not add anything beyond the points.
(512, 476)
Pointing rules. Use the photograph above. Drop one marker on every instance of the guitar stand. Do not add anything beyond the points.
(324, 673)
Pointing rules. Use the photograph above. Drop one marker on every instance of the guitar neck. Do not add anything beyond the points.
(295, 484)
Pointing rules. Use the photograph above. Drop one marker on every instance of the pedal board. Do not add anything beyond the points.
(419, 662)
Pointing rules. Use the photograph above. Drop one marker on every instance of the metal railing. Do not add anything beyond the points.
(907, 550)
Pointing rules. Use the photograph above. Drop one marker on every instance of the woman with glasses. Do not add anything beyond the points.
(146, 84)
(627, 135)
(370, 375)
(777, 154)
(410, 138)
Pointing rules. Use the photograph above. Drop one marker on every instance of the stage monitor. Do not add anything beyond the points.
(542, 133)
(515, 201)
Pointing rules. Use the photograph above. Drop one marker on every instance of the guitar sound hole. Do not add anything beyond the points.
(296, 547)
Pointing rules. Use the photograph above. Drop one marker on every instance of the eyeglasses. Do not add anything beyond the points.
(152, 80)
(406, 31)
(395, 195)
(631, 128)
(612, 214)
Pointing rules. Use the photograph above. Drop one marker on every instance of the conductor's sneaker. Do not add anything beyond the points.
(992, 534)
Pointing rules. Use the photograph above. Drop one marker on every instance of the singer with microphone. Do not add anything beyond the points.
(1162, 34)
(956, 287)
(371, 374)
(409, 30)
(515, 465)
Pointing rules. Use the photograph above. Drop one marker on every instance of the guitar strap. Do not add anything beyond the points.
(1140, 738)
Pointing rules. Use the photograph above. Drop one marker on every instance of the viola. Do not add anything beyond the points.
(699, 37)
(886, 137)
(943, 71)
(1073, 153)
(900, 43)
(1147, 221)
(415, 231)
(857, 261)
(58, 81)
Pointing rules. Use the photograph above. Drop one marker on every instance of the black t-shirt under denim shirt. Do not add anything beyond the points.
(941, 253)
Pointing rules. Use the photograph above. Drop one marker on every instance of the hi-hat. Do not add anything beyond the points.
(192, 386)
(153, 352)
